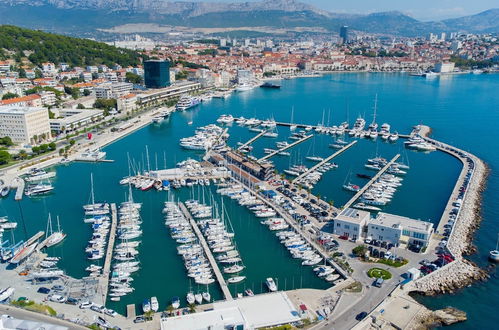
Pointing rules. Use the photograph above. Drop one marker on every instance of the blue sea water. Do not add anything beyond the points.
(462, 110)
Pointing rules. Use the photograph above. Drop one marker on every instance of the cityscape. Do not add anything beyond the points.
(247, 165)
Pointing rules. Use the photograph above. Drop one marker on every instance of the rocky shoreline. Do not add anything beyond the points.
(428, 319)
(461, 272)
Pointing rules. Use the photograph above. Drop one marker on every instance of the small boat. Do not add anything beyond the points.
(363, 206)
(494, 254)
(146, 306)
(364, 176)
(249, 292)
(6, 293)
(175, 302)
(199, 298)
(154, 304)
(270, 85)
(236, 279)
(271, 284)
(206, 296)
(5, 191)
(190, 298)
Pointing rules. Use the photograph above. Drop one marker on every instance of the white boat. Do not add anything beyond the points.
(175, 302)
(206, 296)
(39, 175)
(157, 119)
(494, 254)
(146, 306)
(190, 298)
(91, 155)
(362, 206)
(6, 293)
(154, 304)
(39, 189)
(199, 298)
(187, 102)
(244, 87)
(233, 269)
(236, 279)
(8, 225)
(5, 191)
(53, 237)
(271, 284)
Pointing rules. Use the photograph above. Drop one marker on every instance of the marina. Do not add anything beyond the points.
(289, 146)
(109, 189)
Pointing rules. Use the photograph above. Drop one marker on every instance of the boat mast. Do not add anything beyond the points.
(58, 225)
(375, 106)
(91, 188)
(147, 159)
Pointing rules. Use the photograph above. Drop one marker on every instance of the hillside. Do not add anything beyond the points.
(48, 47)
(89, 17)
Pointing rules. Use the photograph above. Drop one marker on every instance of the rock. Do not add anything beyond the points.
(449, 315)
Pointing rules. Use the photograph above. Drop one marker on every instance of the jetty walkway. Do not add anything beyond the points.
(324, 161)
(374, 178)
(20, 189)
(106, 270)
(289, 146)
(207, 251)
(253, 139)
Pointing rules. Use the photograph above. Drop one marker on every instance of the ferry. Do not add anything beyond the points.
(187, 102)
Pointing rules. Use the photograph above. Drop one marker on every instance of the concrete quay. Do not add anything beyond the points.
(289, 146)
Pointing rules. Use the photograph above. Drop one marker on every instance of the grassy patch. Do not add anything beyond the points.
(378, 272)
(355, 287)
(392, 263)
(34, 307)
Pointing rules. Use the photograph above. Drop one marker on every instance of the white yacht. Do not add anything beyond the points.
(271, 284)
(39, 175)
(39, 189)
(54, 237)
(187, 102)
(92, 155)
(244, 87)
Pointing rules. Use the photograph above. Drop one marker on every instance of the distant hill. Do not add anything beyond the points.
(86, 17)
(47, 47)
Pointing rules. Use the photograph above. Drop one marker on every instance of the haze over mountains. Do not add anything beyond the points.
(86, 16)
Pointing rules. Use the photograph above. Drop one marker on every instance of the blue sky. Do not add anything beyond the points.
(419, 9)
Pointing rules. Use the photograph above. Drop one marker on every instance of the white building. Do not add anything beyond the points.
(113, 90)
(21, 124)
(73, 119)
(444, 67)
(244, 77)
(127, 103)
(397, 229)
(351, 223)
(48, 98)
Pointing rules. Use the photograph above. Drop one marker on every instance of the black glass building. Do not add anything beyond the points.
(344, 34)
(156, 73)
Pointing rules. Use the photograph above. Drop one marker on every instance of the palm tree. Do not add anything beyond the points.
(192, 308)
(170, 309)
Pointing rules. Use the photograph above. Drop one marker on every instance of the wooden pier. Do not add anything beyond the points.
(253, 139)
(207, 251)
(313, 168)
(20, 189)
(367, 185)
(106, 270)
(289, 146)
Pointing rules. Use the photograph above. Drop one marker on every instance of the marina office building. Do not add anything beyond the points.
(391, 228)
(22, 124)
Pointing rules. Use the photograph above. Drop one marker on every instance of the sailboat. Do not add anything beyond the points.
(55, 237)
(207, 295)
(293, 126)
(95, 208)
(373, 127)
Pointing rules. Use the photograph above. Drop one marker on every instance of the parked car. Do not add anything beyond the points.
(43, 290)
(361, 316)
(139, 319)
(378, 282)
(86, 305)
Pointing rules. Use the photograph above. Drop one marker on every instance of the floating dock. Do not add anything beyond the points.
(207, 251)
(367, 185)
(289, 146)
(253, 139)
(104, 278)
(324, 161)
(20, 189)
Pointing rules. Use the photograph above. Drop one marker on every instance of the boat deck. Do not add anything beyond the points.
(327, 159)
(209, 255)
(286, 147)
(367, 185)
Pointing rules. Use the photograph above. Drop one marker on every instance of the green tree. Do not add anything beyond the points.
(9, 95)
(72, 142)
(80, 106)
(6, 141)
(52, 146)
(44, 148)
(359, 251)
(5, 157)
(51, 114)
(133, 78)
(86, 92)
(35, 150)
(22, 154)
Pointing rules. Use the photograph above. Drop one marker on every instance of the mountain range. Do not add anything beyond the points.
(89, 16)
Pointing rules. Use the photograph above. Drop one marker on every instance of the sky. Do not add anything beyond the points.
(420, 9)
